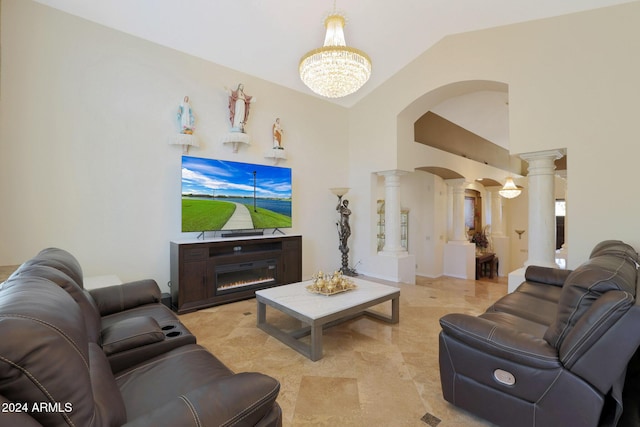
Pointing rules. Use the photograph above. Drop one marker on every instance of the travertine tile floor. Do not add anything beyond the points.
(372, 373)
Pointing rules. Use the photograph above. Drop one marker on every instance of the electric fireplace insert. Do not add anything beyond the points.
(242, 276)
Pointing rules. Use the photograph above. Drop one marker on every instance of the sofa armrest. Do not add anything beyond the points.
(131, 333)
(500, 341)
(241, 400)
(546, 275)
(113, 299)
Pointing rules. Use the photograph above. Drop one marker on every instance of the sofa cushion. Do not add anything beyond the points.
(516, 323)
(615, 247)
(546, 275)
(131, 333)
(526, 306)
(606, 271)
(63, 280)
(539, 290)
(61, 260)
(117, 298)
(191, 378)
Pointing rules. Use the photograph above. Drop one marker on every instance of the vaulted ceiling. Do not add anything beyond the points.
(267, 38)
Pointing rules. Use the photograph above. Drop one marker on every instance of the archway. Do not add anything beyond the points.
(479, 164)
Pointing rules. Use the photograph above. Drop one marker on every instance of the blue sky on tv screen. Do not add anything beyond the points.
(233, 179)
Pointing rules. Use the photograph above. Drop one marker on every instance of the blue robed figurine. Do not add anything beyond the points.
(186, 124)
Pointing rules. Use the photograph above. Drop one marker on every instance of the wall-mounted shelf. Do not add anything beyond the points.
(236, 139)
(276, 154)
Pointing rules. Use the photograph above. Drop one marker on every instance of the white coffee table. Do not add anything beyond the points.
(320, 311)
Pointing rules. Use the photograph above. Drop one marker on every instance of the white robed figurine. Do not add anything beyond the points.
(239, 104)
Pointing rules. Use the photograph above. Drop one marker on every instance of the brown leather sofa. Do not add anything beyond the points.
(555, 352)
(126, 319)
(112, 356)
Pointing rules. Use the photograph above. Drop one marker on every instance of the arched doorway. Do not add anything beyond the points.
(430, 142)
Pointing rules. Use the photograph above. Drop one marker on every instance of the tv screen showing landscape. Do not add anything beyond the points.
(225, 195)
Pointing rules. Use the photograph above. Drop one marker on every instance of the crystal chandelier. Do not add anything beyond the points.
(510, 190)
(335, 70)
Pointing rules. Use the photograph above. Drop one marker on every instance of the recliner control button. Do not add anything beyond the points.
(504, 377)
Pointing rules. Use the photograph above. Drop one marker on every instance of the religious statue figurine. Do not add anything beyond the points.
(186, 120)
(277, 135)
(239, 104)
(186, 126)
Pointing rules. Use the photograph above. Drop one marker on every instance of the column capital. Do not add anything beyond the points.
(547, 154)
(395, 172)
(456, 182)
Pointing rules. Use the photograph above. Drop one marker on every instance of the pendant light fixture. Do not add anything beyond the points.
(510, 190)
(335, 70)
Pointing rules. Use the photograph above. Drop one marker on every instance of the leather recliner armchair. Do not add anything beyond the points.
(55, 368)
(127, 320)
(552, 353)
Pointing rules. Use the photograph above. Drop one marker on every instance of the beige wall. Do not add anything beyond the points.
(573, 83)
(85, 164)
(86, 114)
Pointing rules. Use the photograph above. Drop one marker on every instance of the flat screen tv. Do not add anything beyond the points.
(225, 195)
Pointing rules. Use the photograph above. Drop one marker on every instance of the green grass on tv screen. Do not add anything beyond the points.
(205, 215)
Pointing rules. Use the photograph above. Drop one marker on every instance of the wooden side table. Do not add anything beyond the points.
(485, 264)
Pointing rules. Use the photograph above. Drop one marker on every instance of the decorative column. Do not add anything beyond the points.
(497, 220)
(394, 263)
(501, 246)
(563, 252)
(542, 219)
(449, 212)
(392, 242)
(457, 186)
(459, 253)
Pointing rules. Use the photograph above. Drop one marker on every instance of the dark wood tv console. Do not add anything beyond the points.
(212, 272)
